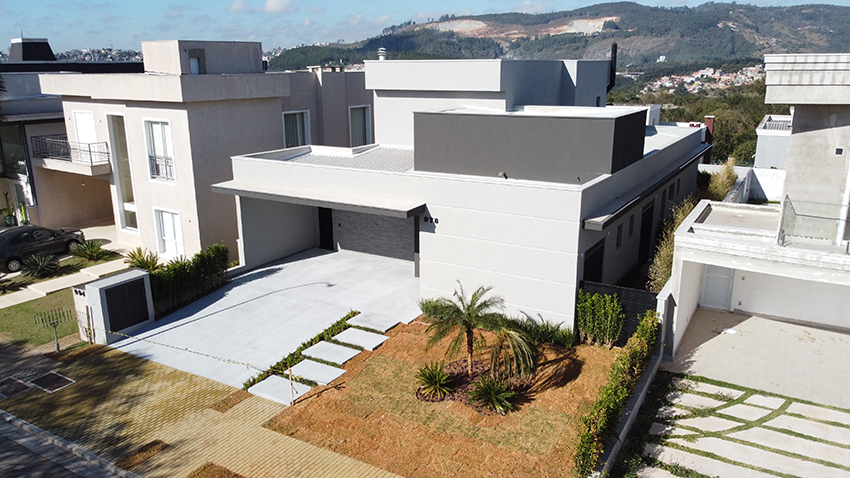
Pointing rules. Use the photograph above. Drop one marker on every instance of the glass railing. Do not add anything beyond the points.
(813, 225)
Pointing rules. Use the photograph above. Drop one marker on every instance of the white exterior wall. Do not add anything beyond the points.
(686, 279)
(277, 228)
(516, 236)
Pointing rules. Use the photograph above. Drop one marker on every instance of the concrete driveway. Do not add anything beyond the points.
(262, 316)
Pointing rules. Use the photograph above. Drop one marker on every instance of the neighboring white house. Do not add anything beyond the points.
(472, 182)
(788, 261)
(168, 133)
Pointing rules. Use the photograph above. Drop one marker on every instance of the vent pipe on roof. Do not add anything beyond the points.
(382, 54)
(612, 73)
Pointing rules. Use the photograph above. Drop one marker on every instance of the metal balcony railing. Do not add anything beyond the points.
(817, 226)
(58, 147)
(162, 167)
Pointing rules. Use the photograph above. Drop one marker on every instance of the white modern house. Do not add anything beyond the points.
(487, 172)
(162, 137)
(790, 261)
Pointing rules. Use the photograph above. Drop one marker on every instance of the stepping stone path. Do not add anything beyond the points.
(769, 436)
(278, 388)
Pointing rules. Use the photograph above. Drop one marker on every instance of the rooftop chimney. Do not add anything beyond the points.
(31, 49)
(612, 75)
(382, 54)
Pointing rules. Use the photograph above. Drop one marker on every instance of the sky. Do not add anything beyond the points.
(125, 24)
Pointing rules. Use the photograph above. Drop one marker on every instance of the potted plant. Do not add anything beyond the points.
(25, 219)
(9, 213)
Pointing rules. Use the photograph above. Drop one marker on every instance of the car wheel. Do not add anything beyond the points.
(13, 265)
(71, 246)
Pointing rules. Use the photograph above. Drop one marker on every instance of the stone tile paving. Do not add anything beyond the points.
(121, 402)
(750, 433)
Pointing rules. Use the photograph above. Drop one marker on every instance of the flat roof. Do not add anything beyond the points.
(371, 157)
(546, 111)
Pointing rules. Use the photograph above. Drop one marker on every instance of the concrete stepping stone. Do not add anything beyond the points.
(660, 429)
(769, 402)
(277, 389)
(709, 389)
(813, 429)
(367, 340)
(317, 372)
(745, 412)
(374, 321)
(709, 424)
(762, 459)
(693, 401)
(700, 464)
(670, 412)
(793, 444)
(330, 352)
(648, 472)
(820, 413)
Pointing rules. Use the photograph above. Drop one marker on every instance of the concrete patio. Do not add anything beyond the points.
(788, 359)
(260, 317)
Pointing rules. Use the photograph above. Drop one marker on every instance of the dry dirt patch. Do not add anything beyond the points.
(372, 414)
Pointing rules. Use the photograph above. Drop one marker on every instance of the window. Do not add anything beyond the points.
(296, 128)
(360, 125)
(169, 233)
(663, 199)
(41, 235)
(619, 235)
(194, 66)
(12, 150)
(160, 150)
(631, 226)
(671, 192)
(678, 188)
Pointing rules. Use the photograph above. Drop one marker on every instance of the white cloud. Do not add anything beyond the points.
(532, 7)
(353, 20)
(380, 20)
(318, 9)
(175, 13)
(238, 6)
(278, 6)
(307, 22)
(106, 18)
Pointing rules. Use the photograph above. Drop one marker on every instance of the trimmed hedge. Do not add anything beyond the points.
(599, 318)
(282, 367)
(183, 281)
(596, 427)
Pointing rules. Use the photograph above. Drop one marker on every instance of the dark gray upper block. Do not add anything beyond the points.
(567, 147)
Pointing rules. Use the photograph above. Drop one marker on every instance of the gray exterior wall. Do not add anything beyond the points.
(546, 148)
(172, 56)
(271, 230)
(585, 83)
(373, 234)
(771, 151)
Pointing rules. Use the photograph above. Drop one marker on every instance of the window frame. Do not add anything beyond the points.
(306, 119)
(160, 242)
(368, 125)
(149, 145)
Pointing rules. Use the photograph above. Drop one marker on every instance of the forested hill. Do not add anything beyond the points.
(709, 32)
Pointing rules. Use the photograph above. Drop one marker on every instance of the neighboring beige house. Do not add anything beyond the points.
(162, 137)
(790, 261)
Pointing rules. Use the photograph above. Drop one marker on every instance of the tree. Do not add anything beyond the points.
(464, 318)
(513, 350)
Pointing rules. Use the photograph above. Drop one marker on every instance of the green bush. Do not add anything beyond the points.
(599, 318)
(182, 280)
(662, 262)
(434, 380)
(544, 332)
(143, 259)
(40, 266)
(282, 367)
(91, 250)
(596, 427)
(492, 392)
(722, 181)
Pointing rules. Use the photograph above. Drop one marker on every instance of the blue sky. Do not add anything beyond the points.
(124, 24)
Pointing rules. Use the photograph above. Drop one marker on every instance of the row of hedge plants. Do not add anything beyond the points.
(182, 281)
(599, 318)
(597, 425)
(282, 367)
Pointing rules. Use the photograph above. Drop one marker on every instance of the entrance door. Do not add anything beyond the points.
(170, 233)
(716, 289)
(593, 261)
(326, 229)
(645, 234)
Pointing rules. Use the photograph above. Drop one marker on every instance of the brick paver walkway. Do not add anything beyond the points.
(121, 402)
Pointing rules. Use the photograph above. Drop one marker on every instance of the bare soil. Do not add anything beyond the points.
(372, 414)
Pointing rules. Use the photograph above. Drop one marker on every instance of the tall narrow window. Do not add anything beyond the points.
(160, 149)
(619, 235)
(631, 225)
(360, 125)
(12, 149)
(296, 128)
(169, 233)
(121, 170)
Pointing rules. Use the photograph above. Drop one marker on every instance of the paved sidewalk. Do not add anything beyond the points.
(732, 431)
(41, 289)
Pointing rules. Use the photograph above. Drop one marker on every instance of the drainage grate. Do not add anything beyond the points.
(52, 382)
(10, 387)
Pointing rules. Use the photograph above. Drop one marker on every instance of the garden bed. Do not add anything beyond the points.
(372, 414)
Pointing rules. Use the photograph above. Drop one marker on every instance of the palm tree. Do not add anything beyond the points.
(464, 317)
(514, 351)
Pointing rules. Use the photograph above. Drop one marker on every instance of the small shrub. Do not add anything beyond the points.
(40, 266)
(662, 262)
(434, 381)
(545, 332)
(143, 259)
(491, 392)
(723, 181)
(91, 250)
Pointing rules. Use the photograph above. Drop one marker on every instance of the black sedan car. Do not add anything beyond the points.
(19, 243)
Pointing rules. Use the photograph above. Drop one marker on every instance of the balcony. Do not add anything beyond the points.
(58, 154)
(813, 225)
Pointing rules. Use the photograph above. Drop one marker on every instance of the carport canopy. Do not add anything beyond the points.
(392, 207)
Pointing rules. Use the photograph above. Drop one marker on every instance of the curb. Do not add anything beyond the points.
(66, 445)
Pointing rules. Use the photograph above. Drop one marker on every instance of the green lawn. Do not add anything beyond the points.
(17, 322)
(67, 266)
